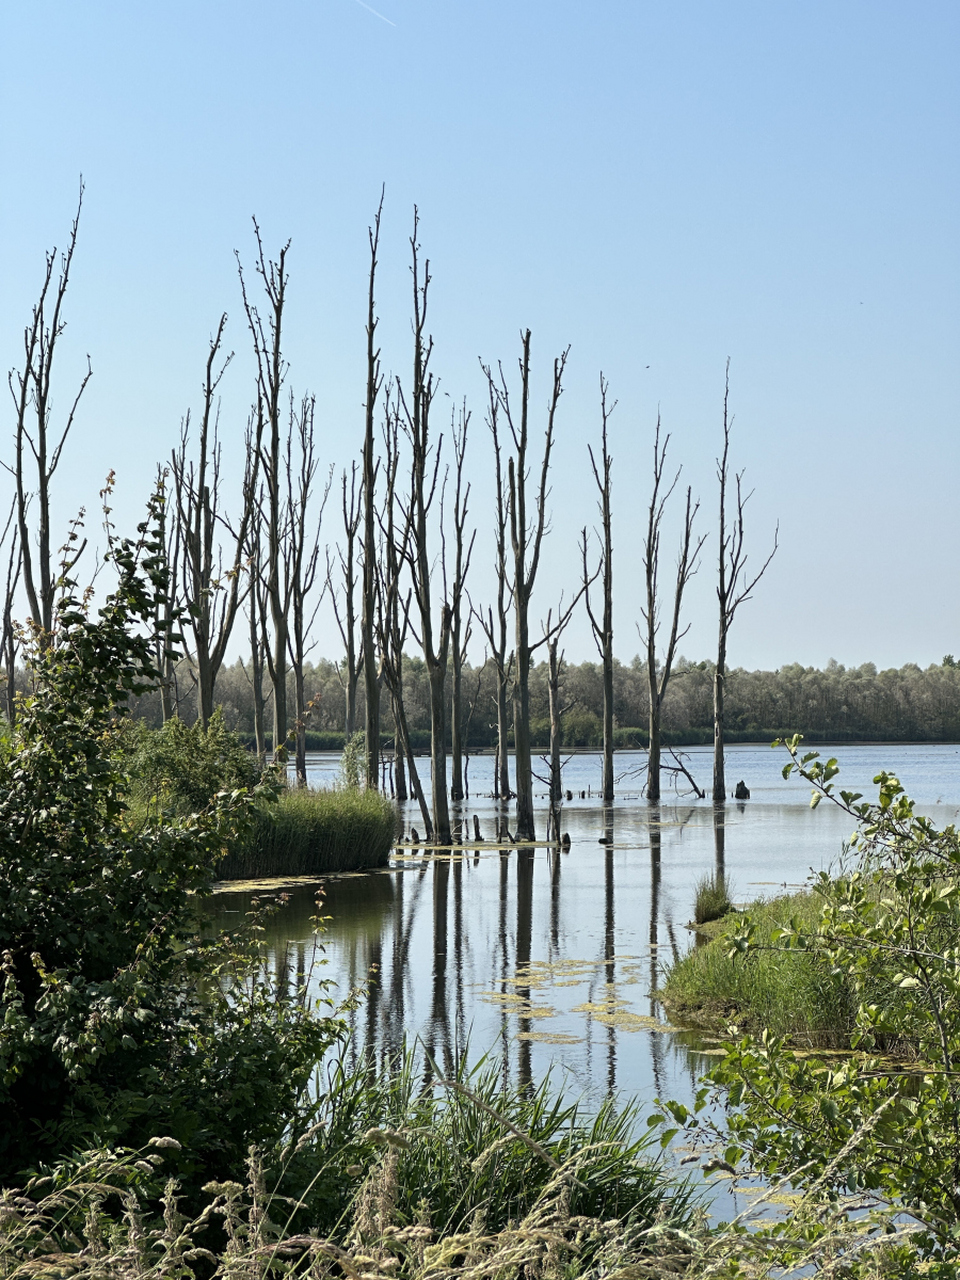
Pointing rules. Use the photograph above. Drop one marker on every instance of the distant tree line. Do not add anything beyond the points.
(836, 704)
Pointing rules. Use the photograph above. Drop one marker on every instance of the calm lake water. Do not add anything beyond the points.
(548, 959)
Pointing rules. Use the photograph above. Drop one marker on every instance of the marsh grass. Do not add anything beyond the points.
(307, 832)
(789, 993)
(712, 898)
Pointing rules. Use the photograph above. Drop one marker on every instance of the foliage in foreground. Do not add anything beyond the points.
(118, 1022)
(876, 1122)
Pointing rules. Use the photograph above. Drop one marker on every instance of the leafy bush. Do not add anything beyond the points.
(179, 768)
(117, 1021)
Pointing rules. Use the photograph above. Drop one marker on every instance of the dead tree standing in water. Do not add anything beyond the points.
(496, 628)
(301, 553)
(658, 676)
(347, 617)
(459, 634)
(526, 537)
(371, 673)
(733, 585)
(435, 643)
(603, 629)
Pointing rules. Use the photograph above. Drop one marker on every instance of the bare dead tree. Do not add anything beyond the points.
(346, 615)
(256, 595)
(371, 671)
(660, 671)
(603, 627)
(434, 639)
(393, 614)
(459, 626)
(526, 537)
(37, 447)
(211, 574)
(301, 554)
(268, 444)
(734, 585)
(496, 627)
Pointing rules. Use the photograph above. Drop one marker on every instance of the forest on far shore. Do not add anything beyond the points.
(836, 704)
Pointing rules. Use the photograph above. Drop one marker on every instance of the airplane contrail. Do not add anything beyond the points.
(375, 14)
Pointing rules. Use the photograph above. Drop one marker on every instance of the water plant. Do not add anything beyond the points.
(711, 898)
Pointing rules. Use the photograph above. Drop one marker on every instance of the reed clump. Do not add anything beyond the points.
(712, 899)
(307, 832)
(790, 993)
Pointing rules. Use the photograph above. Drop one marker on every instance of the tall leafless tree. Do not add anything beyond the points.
(495, 627)
(603, 627)
(526, 538)
(268, 442)
(659, 670)
(346, 613)
(212, 575)
(371, 671)
(434, 635)
(734, 585)
(459, 625)
(38, 447)
(168, 613)
(301, 553)
(393, 614)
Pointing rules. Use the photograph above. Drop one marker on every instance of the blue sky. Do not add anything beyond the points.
(660, 186)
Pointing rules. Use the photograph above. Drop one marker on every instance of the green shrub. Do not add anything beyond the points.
(117, 1022)
(308, 833)
(180, 768)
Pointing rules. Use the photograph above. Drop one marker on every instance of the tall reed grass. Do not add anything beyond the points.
(790, 993)
(307, 832)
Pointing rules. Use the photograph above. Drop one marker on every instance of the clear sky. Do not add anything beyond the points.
(660, 185)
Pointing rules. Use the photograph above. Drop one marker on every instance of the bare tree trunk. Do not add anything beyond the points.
(659, 673)
(210, 585)
(496, 630)
(603, 630)
(371, 674)
(31, 392)
(271, 373)
(459, 636)
(526, 540)
(556, 782)
(301, 542)
(347, 622)
(423, 487)
(733, 585)
(167, 613)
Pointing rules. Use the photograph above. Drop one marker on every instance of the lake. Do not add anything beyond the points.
(549, 959)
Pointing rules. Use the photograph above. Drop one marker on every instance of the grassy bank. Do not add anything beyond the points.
(790, 993)
(310, 832)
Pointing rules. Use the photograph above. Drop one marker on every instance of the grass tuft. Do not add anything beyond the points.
(712, 900)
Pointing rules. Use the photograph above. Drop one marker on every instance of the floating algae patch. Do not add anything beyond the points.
(548, 1037)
